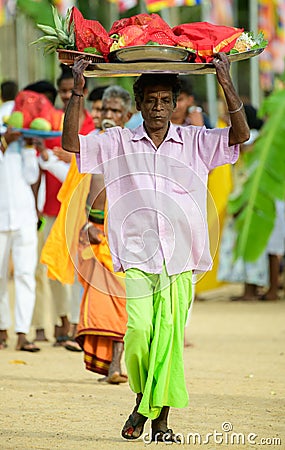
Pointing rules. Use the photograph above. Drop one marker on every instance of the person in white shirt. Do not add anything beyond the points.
(54, 165)
(18, 233)
(8, 92)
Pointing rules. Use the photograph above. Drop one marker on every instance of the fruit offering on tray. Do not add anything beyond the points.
(76, 35)
(202, 39)
(247, 42)
(34, 111)
(142, 29)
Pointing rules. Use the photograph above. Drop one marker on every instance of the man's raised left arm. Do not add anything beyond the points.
(239, 130)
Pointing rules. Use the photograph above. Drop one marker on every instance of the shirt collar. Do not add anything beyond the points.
(174, 133)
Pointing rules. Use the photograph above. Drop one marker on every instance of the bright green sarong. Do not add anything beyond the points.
(157, 307)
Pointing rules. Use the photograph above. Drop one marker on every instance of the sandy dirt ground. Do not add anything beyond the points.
(235, 374)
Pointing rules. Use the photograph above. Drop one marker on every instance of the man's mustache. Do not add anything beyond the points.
(107, 123)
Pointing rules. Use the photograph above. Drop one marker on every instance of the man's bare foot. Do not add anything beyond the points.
(115, 378)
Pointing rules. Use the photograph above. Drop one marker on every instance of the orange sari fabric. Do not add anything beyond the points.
(103, 316)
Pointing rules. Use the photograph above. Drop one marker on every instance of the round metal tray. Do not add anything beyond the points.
(140, 53)
(245, 55)
(99, 68)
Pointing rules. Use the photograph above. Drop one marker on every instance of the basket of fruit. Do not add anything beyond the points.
(34, 115)
(74, 36)
(68, 56)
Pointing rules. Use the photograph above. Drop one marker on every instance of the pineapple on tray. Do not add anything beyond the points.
(62, 36)
(73, 35)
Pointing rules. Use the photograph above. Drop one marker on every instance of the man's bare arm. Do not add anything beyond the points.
(239, 130)
(70, 140)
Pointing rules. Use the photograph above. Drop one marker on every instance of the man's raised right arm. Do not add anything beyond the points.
(70, 139)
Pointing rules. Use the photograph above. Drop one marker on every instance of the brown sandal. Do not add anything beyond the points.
(28, 347)
(133, 428)
(165, 436)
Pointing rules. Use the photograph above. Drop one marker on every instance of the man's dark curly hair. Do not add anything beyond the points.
(154, 80)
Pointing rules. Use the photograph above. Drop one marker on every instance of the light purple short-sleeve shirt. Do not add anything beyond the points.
(157, 196)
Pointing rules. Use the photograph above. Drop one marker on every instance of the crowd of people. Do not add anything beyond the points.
(111, 221)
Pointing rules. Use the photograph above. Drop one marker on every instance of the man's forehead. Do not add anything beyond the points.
(97, 103)
(158, 89)
(117, 101)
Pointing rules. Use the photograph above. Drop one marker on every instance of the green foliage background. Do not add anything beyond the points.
(255, 205)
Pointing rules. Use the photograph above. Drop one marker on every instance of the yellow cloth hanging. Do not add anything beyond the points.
(60, 250)
(220, 185)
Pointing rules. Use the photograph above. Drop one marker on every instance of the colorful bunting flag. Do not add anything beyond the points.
(2, 12)
(157, 5)
(124, 5)
(271, 20)
(281, 20)
(7, 10)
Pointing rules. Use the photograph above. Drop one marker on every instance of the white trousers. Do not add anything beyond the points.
(23, 244)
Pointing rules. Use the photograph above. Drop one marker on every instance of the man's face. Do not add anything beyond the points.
(157, 106)
(96, 112)
(65, 91)
(114, 111)
(184, 101)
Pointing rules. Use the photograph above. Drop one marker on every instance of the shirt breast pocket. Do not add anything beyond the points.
(181, 179)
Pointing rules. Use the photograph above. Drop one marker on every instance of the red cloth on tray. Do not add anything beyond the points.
(142, 28)
(140, 20)
(206, 39)
(89, 33)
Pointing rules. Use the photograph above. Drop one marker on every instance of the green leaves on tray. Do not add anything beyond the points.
(152, 43)
(92, 50)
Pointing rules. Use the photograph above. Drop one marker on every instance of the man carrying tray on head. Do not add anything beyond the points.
(156, 183)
